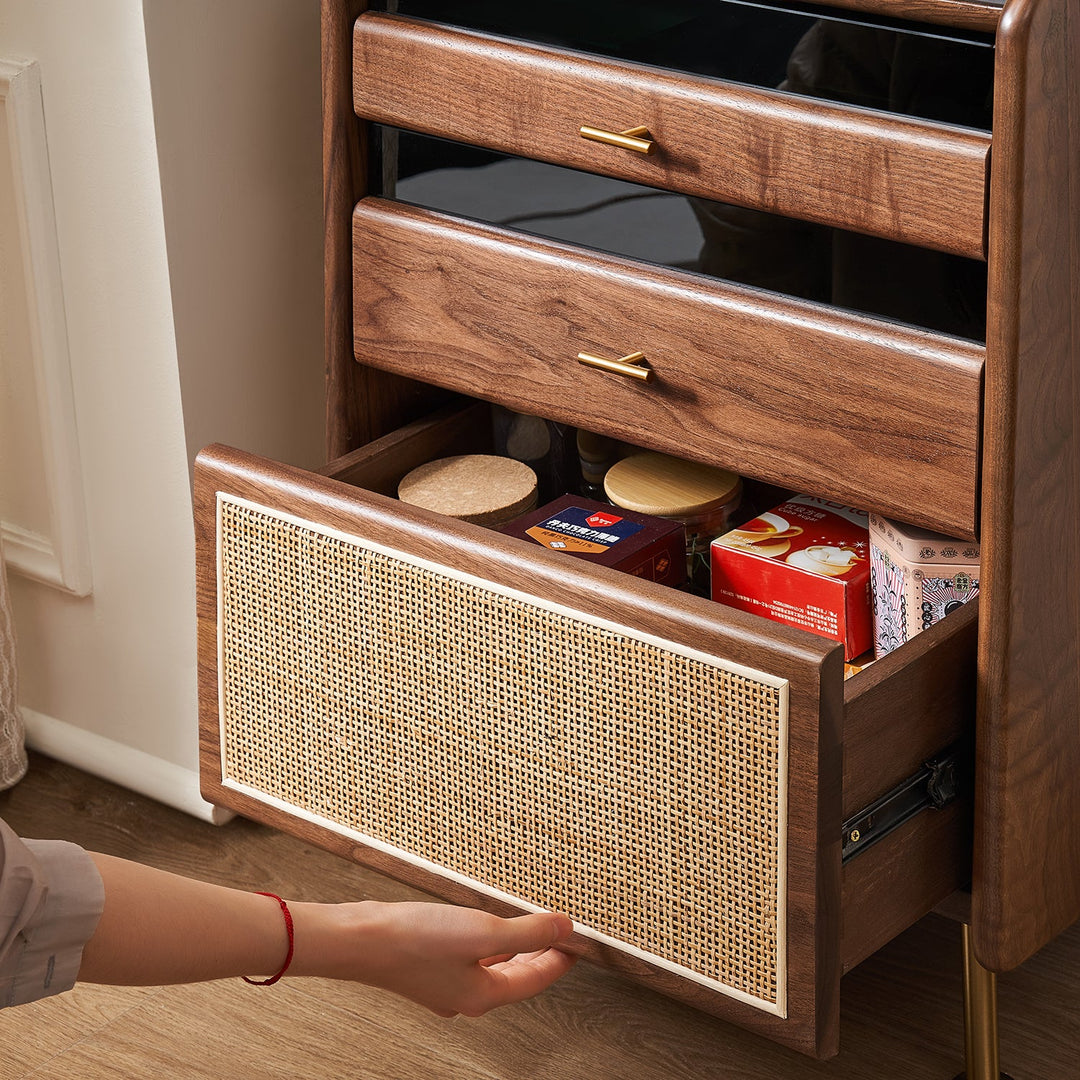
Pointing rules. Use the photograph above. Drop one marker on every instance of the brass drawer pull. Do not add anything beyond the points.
(637, 138)
(631, 365)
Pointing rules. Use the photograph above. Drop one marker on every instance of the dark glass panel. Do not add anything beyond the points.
(879, 277)
(913, 69)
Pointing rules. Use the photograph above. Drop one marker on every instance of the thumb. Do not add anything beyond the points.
(528, 933)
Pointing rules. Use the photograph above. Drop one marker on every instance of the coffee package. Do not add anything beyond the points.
(804, 563)
(639, 544)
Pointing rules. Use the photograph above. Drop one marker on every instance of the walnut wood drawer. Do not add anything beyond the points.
(905, 179)
(874, 414)
(972, 14)
(505, 726)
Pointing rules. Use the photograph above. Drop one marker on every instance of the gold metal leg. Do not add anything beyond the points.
(980, 1018)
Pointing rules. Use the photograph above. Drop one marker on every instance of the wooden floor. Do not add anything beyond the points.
(901, 1008)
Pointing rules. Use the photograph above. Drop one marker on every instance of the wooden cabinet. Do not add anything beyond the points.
(502, 725)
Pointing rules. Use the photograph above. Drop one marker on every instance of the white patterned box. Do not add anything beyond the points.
(916, 579)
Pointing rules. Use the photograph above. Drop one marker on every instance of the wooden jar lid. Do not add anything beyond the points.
(669, 487)
(481, 488)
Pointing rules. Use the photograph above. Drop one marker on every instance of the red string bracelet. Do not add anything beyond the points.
(288, 956)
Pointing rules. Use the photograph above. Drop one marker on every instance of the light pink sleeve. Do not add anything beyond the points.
(51, 897)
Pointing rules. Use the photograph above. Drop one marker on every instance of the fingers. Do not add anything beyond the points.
(521, 961)
(457, 960)
(526, 933)
(522, 977)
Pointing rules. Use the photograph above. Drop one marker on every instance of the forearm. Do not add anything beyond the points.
(158, 928)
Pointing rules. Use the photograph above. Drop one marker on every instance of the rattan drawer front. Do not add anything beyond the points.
(873, 414)
(463, 727)
(529, 733)
(904, 179)
(507, 727)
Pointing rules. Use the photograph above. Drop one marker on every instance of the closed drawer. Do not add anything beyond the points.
(911, 180)
(871, 413)
(504, 726)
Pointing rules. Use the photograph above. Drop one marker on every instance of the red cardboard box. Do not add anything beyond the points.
(638, 544)
(804, 563)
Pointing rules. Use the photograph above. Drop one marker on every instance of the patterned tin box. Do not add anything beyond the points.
(916, 579)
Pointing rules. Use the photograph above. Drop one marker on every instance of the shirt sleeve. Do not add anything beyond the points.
(51, 897)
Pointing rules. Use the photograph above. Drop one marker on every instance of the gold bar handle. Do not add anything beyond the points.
(631, 365)
(637, 138)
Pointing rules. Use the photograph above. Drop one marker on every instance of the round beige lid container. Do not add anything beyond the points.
(669, 487)
(481, 488)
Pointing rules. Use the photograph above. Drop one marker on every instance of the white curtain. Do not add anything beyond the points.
(12, 747)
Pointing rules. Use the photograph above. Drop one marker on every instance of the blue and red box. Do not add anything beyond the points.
(638, 544)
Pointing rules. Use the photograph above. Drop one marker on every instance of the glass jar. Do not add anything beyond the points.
(546, 447)
(596, 454)
(702, 497)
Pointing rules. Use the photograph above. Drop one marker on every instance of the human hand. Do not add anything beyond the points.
(450, 959)
(159, 928)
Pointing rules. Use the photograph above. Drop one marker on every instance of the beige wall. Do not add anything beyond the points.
(191, 298)
(237, 106)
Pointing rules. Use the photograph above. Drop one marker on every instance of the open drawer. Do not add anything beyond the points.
(871, 413)
(906, 179)
(504, 726)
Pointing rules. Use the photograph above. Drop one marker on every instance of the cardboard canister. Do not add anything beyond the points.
(482, 488)
(917, 577)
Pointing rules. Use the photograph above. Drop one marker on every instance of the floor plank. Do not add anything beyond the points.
(34, 1034)
(210, 1031)
(901, 1013)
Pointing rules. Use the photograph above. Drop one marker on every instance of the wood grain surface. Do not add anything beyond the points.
(1027, 846)
(876, 173)
(457, 428)
(812, 665)
(361, 403)
(964, 14)
(344, 147)
(895, 882)
(873, 414)
(901, 1014)
(904, 709)
(909, 706)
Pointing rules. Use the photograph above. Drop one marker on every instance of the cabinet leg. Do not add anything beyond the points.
(980, 1018)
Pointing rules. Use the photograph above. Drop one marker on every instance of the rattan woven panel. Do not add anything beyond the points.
(638, 788)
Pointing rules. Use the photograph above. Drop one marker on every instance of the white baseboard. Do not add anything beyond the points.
(151, 776)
